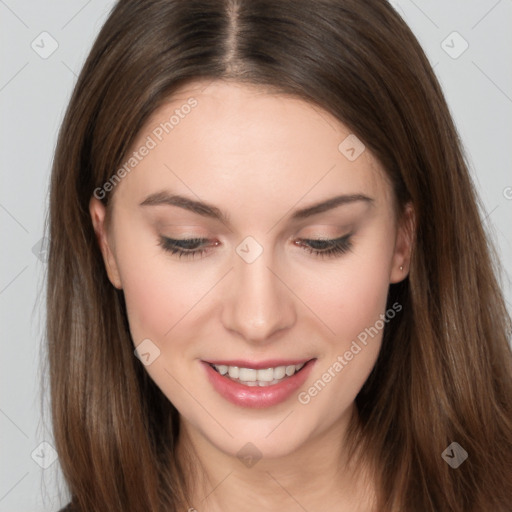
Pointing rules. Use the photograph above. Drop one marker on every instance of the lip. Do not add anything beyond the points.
(257, 397)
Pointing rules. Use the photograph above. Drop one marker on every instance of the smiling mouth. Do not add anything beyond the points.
(260, 377)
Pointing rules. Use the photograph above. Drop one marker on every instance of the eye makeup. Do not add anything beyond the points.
(192, 248)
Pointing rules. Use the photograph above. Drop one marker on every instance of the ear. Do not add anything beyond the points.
(403, 245)
(98, 215)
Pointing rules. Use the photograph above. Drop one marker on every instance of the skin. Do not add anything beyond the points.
(258, 157)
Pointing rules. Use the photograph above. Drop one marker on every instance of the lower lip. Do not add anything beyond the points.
(257, 397)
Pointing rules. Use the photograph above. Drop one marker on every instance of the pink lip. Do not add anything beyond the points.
(257, 397)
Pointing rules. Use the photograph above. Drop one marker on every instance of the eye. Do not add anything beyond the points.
(191, 247)
(326, 247)
(188, 248)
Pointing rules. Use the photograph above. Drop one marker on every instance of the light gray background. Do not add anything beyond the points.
(33, 95)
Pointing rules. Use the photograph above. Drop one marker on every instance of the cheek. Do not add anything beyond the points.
(350, 296)
(352, 299)
(156, 296)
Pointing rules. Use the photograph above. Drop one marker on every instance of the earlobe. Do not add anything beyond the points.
(403, 245)
(98, 212)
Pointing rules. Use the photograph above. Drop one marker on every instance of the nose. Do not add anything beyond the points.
(258, 302)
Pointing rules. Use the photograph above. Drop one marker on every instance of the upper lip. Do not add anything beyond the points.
(258, 365)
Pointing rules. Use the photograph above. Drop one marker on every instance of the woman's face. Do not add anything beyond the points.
(258, 182)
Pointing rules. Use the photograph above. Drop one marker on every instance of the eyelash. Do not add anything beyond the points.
(331, 247)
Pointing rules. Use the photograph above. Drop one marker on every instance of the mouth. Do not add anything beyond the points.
(258, 374)
(257, 385)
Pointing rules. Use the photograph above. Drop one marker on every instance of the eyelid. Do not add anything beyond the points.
(332, 246)
(172, 246)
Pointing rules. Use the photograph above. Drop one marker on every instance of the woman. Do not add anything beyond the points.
(269, 286)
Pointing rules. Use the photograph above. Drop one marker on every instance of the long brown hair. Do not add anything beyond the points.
(444, 373)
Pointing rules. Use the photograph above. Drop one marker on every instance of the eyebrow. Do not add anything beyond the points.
(208, 210)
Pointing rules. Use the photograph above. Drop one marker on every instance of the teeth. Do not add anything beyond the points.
(222, 369)
(264, 375)
(252, 377)
(279, 372)
(247, 374)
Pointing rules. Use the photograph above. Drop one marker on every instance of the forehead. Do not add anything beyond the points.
(231, 142)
